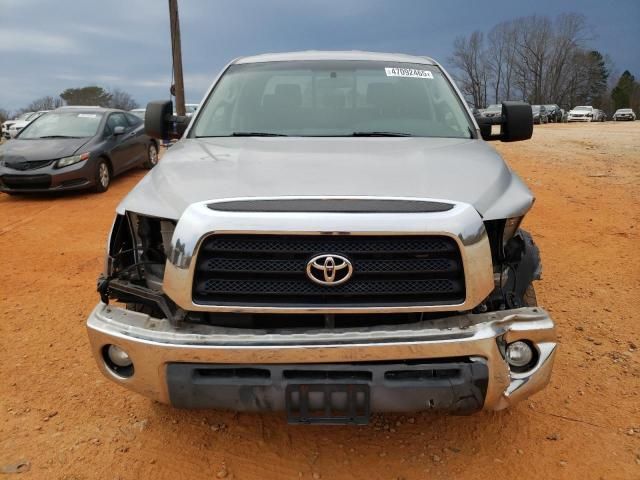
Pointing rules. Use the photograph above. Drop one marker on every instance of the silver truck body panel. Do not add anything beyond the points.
(459, 170)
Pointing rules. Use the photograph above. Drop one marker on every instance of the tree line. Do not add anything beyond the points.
(90, 95)
(540, 60)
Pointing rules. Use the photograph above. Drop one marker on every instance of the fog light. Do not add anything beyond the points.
(118, 356)
(117, 360)
(519, 354)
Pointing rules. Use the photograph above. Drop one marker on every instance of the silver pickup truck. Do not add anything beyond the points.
(331, 236)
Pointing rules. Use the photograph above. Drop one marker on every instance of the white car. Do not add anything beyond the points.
(139, 112)
(15, 128)
(624, 114)
(4, 130)
(190, 108)
(581, 114)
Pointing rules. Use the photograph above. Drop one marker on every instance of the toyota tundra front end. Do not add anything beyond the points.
(331, 237)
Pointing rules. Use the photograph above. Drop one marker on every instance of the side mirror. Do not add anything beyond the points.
(119, 130)
(161, 123)
(516, 123)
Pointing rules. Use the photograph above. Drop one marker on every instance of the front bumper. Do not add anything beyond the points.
(159, 350)
(48, 178)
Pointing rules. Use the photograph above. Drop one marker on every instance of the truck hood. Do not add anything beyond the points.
(18, 150)
(462, 170)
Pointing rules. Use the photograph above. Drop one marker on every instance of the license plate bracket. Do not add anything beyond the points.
(328, 404)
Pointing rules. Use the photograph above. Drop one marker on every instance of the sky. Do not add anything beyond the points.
(47, 46)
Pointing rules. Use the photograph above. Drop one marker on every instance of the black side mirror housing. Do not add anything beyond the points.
(516, 123)
(161, 123)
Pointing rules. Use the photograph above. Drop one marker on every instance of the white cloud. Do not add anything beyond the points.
(36, 42)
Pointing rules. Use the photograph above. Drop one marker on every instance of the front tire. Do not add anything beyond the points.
(152, 156)
(103, 176)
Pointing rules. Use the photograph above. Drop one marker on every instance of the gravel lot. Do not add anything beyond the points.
(62, 420)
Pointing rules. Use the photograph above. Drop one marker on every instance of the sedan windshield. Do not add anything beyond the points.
(333, 99)
(63, 125)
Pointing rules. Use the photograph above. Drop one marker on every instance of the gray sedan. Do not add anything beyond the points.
(74, 148)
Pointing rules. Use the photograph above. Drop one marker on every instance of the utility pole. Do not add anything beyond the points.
(176, 50)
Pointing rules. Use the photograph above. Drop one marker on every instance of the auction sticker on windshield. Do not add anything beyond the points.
(407, 72)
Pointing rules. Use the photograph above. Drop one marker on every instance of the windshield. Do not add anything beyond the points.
(583, 108)
(624, 110)
(494, 108)
(63, 125)
(333, 99)
(550, 107)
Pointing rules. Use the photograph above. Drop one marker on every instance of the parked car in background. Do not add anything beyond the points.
(16, 127)
(73, 149)
(554, 113)
(580, 114)
(4, 128)
(190, 108)
(539, 114)
(624, 114)
(599, 115)
(138, 112)
(492, 111)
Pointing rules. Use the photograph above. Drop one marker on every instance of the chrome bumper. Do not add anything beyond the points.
(154, 343)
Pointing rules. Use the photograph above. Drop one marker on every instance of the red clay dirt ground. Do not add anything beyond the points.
(63, 420)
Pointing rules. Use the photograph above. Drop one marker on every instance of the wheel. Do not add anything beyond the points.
(103, 177)
(529, 298)
(152, 156)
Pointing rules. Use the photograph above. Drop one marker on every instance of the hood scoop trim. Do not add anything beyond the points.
(332, 205)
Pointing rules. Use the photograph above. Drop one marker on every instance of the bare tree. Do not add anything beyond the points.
(500, 59)
(533, 58)
(44, 103)
(469, 59)
(122, 100)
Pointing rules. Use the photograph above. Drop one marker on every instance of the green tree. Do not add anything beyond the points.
(621, 93)
(92, 95)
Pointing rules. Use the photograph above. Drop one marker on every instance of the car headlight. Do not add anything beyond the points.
(65, 162)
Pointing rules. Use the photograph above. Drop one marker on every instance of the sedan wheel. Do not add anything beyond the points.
(152, 156)
(103, 177)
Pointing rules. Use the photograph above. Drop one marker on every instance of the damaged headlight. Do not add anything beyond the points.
(138, 247)
(153, 244)
(510, 228)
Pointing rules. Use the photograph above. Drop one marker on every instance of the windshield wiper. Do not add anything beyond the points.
(380, 134)
(58, 136)
(257, 134)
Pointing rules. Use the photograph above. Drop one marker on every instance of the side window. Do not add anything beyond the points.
(133, 120)
(116, 120)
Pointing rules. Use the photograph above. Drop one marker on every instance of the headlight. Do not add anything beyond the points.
(65, 162)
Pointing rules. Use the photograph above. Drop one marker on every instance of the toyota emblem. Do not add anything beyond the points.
(329, 270)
